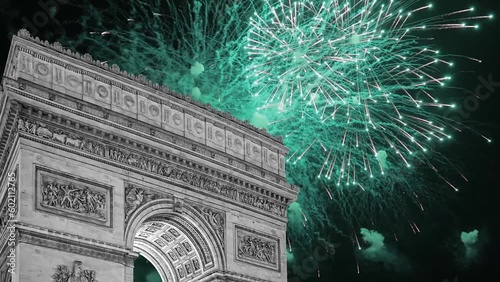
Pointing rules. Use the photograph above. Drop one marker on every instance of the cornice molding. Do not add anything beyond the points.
(158, 164)
(156, 135)
(73, 244)
(114, 70)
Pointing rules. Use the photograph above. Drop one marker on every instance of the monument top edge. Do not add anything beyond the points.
(144, 81)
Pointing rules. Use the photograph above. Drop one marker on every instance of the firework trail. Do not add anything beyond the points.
(355, 87)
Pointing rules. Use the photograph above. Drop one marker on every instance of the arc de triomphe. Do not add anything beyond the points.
(99, 166)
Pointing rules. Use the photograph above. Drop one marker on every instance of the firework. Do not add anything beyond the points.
(355, 88)
(191, 47)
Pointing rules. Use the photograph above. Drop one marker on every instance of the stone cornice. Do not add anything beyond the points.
(122, 77)
(181, 144)
(6, 138)
(99, 95)
(34, 235)
(152, 162)
(157, 135)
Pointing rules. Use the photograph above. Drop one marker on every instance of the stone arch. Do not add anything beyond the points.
(195, 230)
(154, 256)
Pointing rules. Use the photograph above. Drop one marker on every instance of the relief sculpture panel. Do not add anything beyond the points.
(154, 165)
(136, 196)
(257, 249)
(69, 196)
(216, 219)
(74, 274)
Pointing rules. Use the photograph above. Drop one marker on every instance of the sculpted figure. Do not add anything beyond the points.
(77, 274)
(134, 199)
(20, 125)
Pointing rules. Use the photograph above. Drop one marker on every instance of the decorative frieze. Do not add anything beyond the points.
(150, 164)
(170, 171)
(262, 203)
(73, 197)
(165, 137)
(60, 136)
(256, 248)
(76, 273)
(171, 111)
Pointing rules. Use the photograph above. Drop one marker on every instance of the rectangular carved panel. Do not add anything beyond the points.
(216, 136)
(256, 248)
(173, 118)
(194, 128)
(73, 197)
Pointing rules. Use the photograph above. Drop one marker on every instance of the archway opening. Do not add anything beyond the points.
(144, 271)
(167, 253)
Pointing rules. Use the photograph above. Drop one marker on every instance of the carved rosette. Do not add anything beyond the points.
(257, 249)
(74, 274)
(74, 197)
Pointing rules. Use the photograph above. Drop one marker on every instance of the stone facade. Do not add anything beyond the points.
(103, 165)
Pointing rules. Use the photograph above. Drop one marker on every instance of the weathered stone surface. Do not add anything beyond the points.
(108, 166)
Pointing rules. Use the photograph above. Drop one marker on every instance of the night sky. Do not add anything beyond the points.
(433, 254)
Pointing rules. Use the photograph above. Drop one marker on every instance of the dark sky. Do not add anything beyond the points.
(433, 253)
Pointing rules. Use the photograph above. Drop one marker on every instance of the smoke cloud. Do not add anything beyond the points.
(471, 245)
(378, 251)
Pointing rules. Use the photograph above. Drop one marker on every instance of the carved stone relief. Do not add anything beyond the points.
(253, 152)
(156, 166)
(172, 172)
(59, 136)
(270, 160)
(68, 196)
(262, 203)
(93, 88)
(195, 128)
(4, 217)
(135, 197)
(75, 274)
(216, 219)
(258, 249)
(73, 197)
(178, 205)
